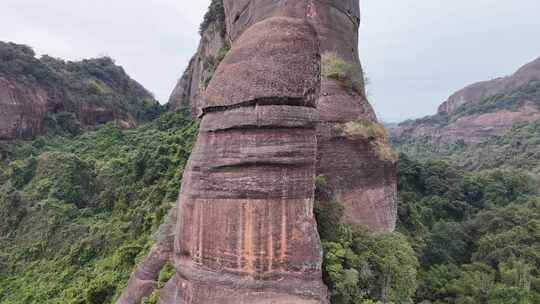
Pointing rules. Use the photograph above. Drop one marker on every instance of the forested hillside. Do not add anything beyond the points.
(50, 95)
(76, 213)
(518, 148)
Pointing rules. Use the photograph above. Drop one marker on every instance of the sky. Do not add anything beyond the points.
(415, 52)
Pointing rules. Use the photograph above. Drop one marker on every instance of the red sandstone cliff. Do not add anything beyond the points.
(24, 107)
(349, 164)
(269, 125)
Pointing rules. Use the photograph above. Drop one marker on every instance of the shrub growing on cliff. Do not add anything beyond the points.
(359, 266)
(376, 134)
(335, 67)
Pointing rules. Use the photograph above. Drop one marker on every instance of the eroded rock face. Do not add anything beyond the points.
(336, 24)
(22, 109)
(269, 124)
(250, 176)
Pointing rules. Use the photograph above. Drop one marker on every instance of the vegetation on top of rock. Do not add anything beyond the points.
(518, 148)
(335, 67)
(214, 15)
(376, 134)
(97, 82)
(527, 94)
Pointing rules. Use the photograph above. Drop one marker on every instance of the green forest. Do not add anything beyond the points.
(97, 82)
(77, 212)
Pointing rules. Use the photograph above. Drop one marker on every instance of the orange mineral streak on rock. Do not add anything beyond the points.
(244, 234)
(270, 123)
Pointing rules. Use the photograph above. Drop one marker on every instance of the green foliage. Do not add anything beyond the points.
(12, 209)
(476, 234)
(376, 134)
(215, 15)
(78, 212)
(335, 67)
(518, 148)
(359, 266)
(65, 177)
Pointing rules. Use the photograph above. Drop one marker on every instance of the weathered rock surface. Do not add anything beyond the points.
(250, 176)
(336, 24)
(22, 109)
(478, 91)
(358, 177)
(471, 129)
(25, 106)
(270, 124)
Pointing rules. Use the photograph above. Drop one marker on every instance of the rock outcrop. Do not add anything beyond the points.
(358, 175)
(478, 91)
(480, 111)
(271, 124)
(361, 178)
(23, 109)
(37, 95)
(250, 176)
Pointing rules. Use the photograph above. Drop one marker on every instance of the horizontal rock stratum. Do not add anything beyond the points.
(273, 120)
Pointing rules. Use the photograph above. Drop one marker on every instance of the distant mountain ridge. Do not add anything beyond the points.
(480, 111)
(40, 95)
(480, 90)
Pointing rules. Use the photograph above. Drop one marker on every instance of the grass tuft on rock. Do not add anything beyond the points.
(335, 67)
(376, 134)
